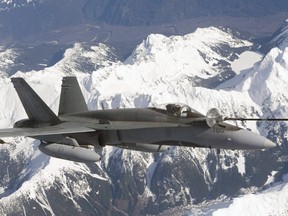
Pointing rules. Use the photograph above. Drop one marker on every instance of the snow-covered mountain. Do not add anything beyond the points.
(193, 69)
(271, 201)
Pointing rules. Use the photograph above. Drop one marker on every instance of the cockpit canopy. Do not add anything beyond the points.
(177, 110)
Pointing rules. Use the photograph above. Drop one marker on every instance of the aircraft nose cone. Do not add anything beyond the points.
(269, 144)
(249, 140)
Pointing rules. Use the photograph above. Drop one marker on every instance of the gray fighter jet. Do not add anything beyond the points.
(153, 129)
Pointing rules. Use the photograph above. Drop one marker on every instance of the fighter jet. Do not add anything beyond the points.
(153, 129)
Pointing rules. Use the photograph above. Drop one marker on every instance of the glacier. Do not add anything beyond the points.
(194, 69)
(271, 201)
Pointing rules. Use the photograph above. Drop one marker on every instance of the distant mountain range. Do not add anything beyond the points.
(21, 19)
(141, 12)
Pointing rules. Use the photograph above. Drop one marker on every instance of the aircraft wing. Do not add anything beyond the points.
(81, 127)
(64, 128)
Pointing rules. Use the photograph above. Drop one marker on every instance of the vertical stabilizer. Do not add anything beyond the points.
(71, 99)
(34, 106)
